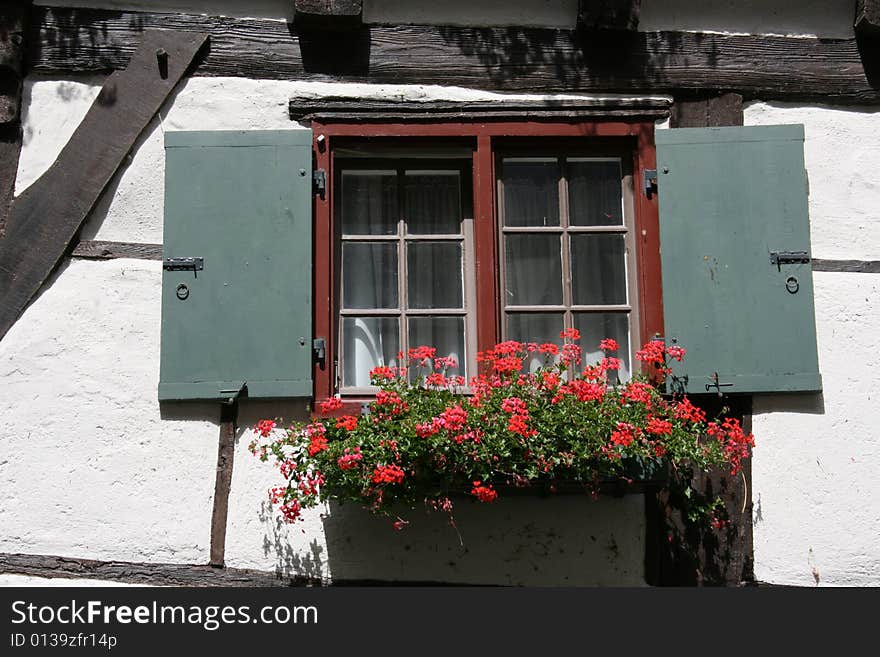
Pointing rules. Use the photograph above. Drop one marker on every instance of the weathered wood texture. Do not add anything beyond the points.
(851, 266)
(328, 14)
(100, 250)
(155, 574)
(10, 148)
(13, 14)
(867, 20)
(223, 481)
(507, 59)
(47, 216)
(340, 108)
(609, 14)
(707, 112)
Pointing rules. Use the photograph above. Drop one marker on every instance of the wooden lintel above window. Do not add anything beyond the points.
(357, 109)
(867, 22)
(609, 14)
(328, 14)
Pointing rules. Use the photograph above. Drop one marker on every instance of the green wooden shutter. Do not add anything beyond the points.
(241, 201)
(730, 198)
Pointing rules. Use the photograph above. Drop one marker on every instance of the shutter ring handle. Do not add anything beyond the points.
(182, 292)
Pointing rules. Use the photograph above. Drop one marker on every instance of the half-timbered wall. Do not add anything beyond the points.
(92, 467)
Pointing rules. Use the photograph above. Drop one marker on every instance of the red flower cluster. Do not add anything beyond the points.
(390, 404)
(624, 435)
(735, 442)
(387, 474)
(347, 422)
(382, 373)
(330, 405)
(685, 410)
(519, 418)
(609, 344)
(484, 493)
(659, 427)
(264, 427)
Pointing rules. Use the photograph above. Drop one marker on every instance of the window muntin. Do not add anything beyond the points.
(566, 251)
(406, 253)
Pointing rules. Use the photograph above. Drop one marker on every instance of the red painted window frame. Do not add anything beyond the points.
(640, 135)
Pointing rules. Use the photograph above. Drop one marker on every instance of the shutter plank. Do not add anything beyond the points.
(242, 202)
(728, 198)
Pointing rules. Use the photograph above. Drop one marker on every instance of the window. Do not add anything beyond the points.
(513, 232)
(565, 224)
(405, 235)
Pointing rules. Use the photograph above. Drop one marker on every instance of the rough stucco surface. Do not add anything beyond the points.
(88, 466)
(815, 486)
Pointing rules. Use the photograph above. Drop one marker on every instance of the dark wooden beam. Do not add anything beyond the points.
(867, 20)
(13, 20)
(223, 482)
(707, 112)
(502, 59)
(609, 14)
(154, 574)
(328, 14)
(851, 266)
(46, 217)
(329, 108)
(100, 250)
(10, 149)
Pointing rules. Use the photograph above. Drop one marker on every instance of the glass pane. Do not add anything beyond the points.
(369, 275)
(369, 203)
(531, 191)
(367, 342)
(534, 327)
(433, 274)
(598, 269)
(432, 203)
(595, 327)
(594, 193)
(445, 334)
(533, 270)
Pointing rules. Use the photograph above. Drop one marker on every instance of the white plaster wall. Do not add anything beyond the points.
(89, 468)
(822, 18)
(816, 490)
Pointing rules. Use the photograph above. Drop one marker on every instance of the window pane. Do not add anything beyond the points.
(534, 327)
(434, 276)
(533, 270)
(531, 191)
(366, 343)
(369, 275)
(369, 203)
(598, 269)
(432, 203)
(446, 334)
(594, 193)
(595, 327)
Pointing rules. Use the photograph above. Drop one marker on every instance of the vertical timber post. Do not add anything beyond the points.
(223, 481)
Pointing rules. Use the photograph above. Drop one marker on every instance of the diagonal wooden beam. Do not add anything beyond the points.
(47, 216)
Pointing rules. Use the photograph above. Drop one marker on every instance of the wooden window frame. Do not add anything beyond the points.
(636, 136)
(404, 310)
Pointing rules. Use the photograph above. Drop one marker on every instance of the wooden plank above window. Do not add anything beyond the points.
(334, 109)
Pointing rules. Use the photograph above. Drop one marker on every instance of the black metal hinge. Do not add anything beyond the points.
(319, 179)
(319, 348)
(650, 176)
(183, 264)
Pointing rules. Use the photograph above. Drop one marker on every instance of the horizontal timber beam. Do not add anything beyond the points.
(100, 250)
(502, 59)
